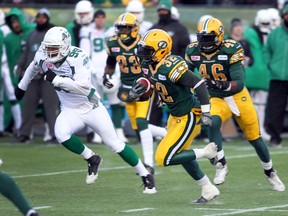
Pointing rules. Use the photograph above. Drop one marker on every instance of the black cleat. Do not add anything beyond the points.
(149, 184)
(93, 165)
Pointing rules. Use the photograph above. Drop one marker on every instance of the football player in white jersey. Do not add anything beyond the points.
(136, 7)
(68, 69)
(93, 42)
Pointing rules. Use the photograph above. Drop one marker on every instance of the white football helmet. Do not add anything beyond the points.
(175, 13)
(275, 17)
(263, 21)
(136, 7)
(56, 44)
(2, 18)
(84, 6)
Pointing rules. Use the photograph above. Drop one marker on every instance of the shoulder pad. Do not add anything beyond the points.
(234, 50)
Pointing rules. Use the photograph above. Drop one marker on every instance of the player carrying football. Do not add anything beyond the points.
(173, 82)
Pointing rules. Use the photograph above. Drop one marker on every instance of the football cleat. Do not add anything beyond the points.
(149, 184)
(150, 169)
(93, 165)
(275, 181)
(209, 192)
(221, 173)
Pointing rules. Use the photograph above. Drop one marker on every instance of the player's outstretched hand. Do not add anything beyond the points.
(106, 81)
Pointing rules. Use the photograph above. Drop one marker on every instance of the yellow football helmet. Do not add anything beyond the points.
(154, 46)
(210, 35)
(127, 26)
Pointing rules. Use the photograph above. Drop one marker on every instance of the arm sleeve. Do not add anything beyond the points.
(190, 80)
(32, 70)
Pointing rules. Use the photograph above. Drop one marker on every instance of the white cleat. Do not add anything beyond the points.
(275, 181)
(221, 173)
(209, 192)
(210, 150)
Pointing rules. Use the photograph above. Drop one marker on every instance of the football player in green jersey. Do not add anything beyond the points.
(121, 49)
(173, 82)
(219, 64)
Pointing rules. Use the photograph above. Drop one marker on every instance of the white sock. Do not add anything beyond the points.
(267, 166)
(199, 153)
(140, 168)
(147, 146)
(87, 153)
(203, 181)
(16, 112)
(220, 154)
(157, 131)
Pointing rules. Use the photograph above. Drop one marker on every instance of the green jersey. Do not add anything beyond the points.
(126, 57)
(224, 65)
(165, 77)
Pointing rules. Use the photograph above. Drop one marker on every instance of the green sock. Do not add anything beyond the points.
(11, 191)
(74, 144)
(193, 168)
(214, 133)
(129, 156)
(117, 115)
(261, 149)
(183, 157)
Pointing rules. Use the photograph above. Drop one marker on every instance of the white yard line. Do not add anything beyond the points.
(128, 167)
(137, 210)
(242, 211)
(42, 207)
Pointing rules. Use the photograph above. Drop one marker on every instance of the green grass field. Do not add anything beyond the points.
(54, 181)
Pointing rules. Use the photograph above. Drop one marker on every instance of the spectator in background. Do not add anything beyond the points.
(275, 55)
(14, 43)
(6, 82)
(83, 12)
(93, 42)
(236, 34)
(10, 190)
(180, 38)
(38, 88)
(173, 27)
(256, 36)
(136, 7)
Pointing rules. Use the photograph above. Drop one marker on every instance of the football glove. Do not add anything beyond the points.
(137, 90)
(106, 82)
(216, 84)
(205, 120)
(49, 76)
(19, 93)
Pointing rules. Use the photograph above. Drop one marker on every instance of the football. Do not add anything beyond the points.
(146, 82)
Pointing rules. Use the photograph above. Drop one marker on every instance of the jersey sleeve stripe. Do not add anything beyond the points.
(238, 56)
(175, 75)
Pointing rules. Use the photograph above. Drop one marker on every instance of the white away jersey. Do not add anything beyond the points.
(73, 80)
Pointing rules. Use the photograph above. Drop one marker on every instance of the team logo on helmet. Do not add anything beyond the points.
(162, 44)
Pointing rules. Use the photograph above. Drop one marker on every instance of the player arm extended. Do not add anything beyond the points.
(190, 80)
